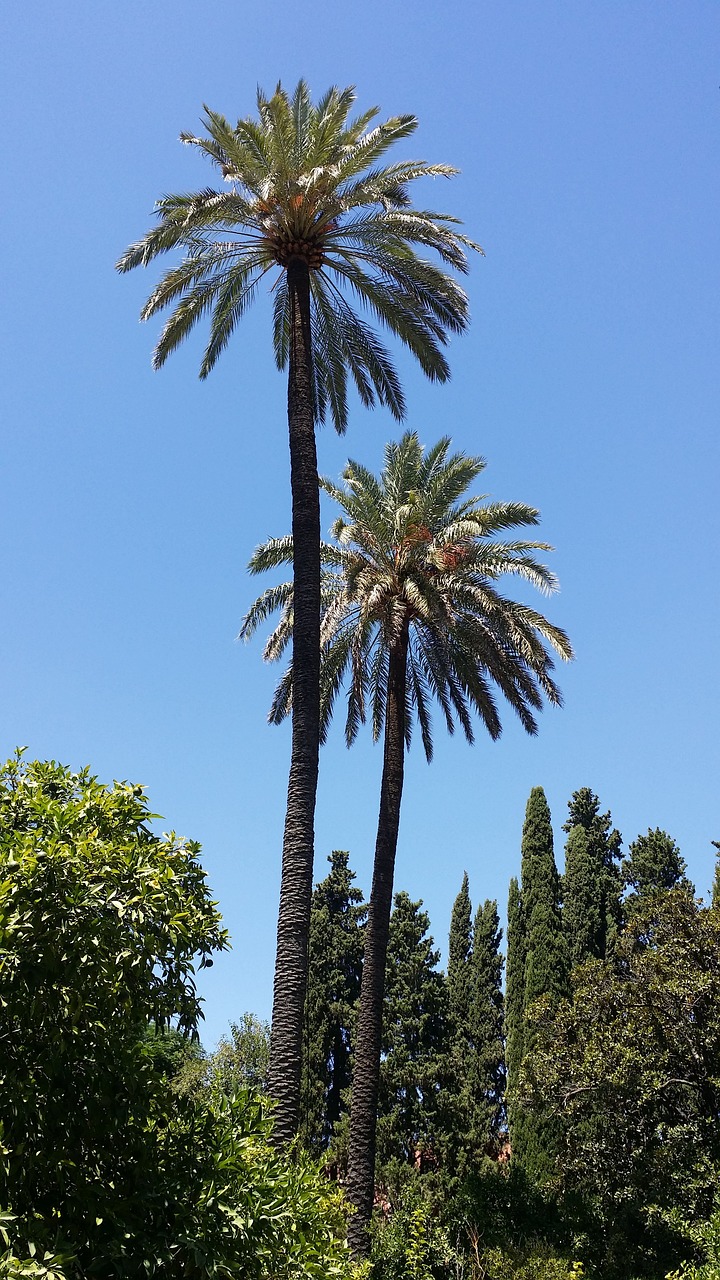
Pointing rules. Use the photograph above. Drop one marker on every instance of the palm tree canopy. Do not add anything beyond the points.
(413, 558)
(306, 181)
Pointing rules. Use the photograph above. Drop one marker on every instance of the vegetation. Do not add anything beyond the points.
(566, 1127)
(411, 611)
(308, 199)
(337, 918)
(108, 1166)
(126, 1151)
(540, 970)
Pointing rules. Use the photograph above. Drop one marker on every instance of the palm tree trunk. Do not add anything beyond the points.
(366, 1072)
(291, 962)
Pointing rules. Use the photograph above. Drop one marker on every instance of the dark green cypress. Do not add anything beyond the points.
(583, 908)
(415, 1035)
(592, 884)
(335, 971)
(546, 959)
(515, 985)
(473, 1083)
(534, 1136)
(459, 951)
(487, 1062)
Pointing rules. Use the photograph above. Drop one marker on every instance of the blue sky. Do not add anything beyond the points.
(587, 136)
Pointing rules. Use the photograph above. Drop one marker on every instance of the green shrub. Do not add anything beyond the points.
(107, 1169)
(535, 1263)
(412, 1244)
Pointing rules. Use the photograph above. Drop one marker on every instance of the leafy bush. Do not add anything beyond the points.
(706, 1239)
(106, 1167)
(537, 1263)
(412, 1244)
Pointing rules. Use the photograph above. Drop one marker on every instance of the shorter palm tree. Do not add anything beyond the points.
(411, 612)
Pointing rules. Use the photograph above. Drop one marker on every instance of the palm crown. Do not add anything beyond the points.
(307, 182)
(415, 564)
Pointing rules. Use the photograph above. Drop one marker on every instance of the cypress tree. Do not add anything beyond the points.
(473, 1080)
(415, 1035)
(715, 902)
(515, 985)
(592, 883)
(545, 961)
(583, 908)
(534, 1136)
(487, 1063)
(459, 951)
(335, 971)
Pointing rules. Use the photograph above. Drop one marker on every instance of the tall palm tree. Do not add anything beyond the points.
(411, 612)
(310, 204)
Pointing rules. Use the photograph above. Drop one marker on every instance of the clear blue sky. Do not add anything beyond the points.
(587, 135)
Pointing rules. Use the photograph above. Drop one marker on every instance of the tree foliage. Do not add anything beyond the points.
(592, 883)
(487, 1062)
(515, 982)
(459, 971)
(336, 945)
(412, 556)
(474, 1088)
(544, 976)
(653, 866)
(415, 1027)
(307, 181)
(631, 1064)
(241, 1059)
(106, 1167)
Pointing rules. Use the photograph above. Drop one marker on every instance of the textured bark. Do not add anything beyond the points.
(366, 1072)
(298, 840)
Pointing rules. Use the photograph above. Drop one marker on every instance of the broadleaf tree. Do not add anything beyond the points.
(123, 1153)
(631, 1063)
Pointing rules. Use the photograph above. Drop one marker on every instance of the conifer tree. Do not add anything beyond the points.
(654, 865)
(336, 947)
(592, 883)
(715, 901)
(474, 1080)
(487, 1064)
(545, 961)
(583, 908)
(515, 984)
(459, 963)
(534, 1136)
(415, 1030)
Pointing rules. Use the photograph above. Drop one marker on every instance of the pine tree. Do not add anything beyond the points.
(415, 1035)
(487, 1065)
(592, 883)
(654, 865)
(336, 947)
(534, 1136)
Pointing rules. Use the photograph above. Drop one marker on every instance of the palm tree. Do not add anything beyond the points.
(310, 204)
(411, 612)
